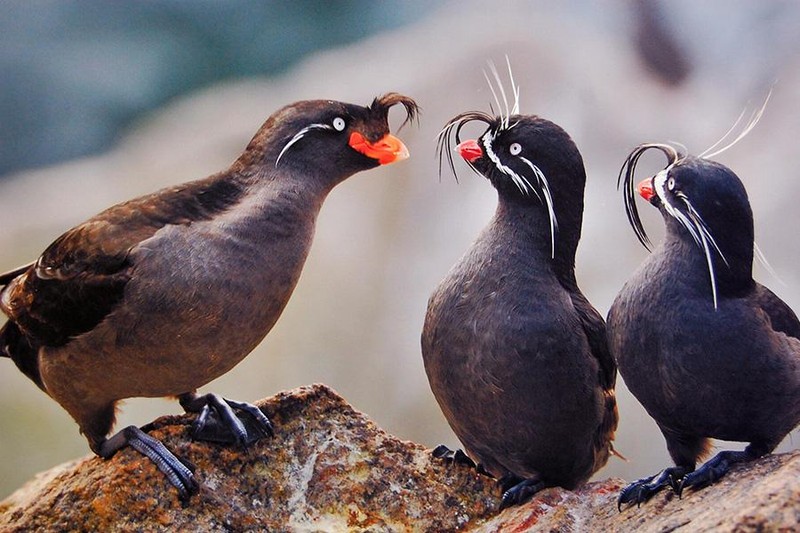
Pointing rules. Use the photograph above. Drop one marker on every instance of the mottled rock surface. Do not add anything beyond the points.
(762, 496)
(329, 468)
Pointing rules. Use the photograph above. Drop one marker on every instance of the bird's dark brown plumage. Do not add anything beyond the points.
(709, 352)
(515, 354)
(159, 295)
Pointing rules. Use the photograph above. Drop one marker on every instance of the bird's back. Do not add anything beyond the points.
(192, 262)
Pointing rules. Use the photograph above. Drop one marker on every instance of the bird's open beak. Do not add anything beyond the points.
(470, 150)
(645, 189)
(388, 149)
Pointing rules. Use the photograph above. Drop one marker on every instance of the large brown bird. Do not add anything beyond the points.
(515, 354)
(708, 351)
(159, 295)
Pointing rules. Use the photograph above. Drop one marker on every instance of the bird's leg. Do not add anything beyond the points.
(718, 466)
(643, 489)
(218, 422)
(684, 450)
(517, 490)
(180, 473)
(458, 457)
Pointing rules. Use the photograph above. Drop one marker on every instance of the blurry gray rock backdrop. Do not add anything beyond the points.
(156, 93)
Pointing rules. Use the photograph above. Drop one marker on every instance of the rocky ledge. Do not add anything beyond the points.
(329, 468)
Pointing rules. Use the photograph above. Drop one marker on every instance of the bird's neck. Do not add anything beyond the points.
(688, 260)
(276, 206)
(528, 228)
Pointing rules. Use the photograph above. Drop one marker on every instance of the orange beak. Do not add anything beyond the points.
(387, 150)
(645, 189)
(470, 150)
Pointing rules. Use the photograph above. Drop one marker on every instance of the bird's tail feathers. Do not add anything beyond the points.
(8, 277)
(613, 451)
(604, 439)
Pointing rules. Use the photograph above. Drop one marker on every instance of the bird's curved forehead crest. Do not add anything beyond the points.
(371, 120)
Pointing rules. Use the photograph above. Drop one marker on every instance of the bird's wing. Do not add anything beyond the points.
(595, 329)
(80, 278)
(781, 315)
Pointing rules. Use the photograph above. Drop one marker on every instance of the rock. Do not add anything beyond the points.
(761, 496)
(329, 468)
(386, 238)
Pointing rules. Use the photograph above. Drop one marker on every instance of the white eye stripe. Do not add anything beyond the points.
(521, 182)
(299, 135)
(548, 197)
(659, 182)
(339, 124)
(515, 149)
(524, 185)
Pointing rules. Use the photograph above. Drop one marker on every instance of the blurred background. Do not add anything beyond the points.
(102, 101)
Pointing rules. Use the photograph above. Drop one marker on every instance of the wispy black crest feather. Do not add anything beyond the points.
(452, 131)
(627, 179)
(380, 107)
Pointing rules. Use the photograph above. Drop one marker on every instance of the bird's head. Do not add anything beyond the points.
(529, 160)
(703, 202)
(335, 139)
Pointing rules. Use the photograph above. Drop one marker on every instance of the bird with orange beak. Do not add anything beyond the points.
(159, 295)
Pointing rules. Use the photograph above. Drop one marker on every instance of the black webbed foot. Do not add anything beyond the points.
(218, 422)
(458, 457)
(714, 469)
(180, 473)
(450, 456)
(643, 489)
(517, 490)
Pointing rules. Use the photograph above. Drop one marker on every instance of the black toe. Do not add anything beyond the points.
(713, 470)
(226, 421)
(520, 492)
(179, 472)
(453, 457)
(643, 489)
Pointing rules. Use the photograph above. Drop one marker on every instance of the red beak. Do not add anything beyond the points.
(470, 150)
(645, 189)
(386, 150)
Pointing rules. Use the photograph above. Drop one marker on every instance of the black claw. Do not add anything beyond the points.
(676, 484)
(643, 489)
(679, 489)
(521, 492)
(218, 422)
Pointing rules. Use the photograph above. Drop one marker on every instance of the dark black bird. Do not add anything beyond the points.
(516, 356)
(159, 295)
(709, 352)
